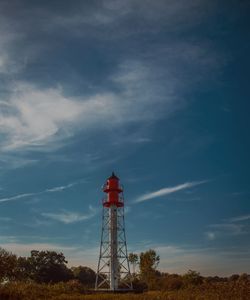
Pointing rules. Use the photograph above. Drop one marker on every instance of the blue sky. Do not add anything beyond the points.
(157, 91)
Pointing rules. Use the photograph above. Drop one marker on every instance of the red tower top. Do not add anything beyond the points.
(113, 189)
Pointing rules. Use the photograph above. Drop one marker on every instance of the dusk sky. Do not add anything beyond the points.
(156, 91)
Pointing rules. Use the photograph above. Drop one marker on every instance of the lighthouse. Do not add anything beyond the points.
(113, 272)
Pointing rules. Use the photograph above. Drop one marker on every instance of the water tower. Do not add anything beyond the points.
(113, 272)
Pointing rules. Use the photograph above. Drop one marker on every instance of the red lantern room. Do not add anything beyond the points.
(113, 189)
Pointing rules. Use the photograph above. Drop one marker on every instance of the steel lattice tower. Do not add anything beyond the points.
(113, 272)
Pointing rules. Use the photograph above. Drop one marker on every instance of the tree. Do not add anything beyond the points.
(234, 277)
(8, 265)
(48, 266)
(244, 277)
(23, 268)
(192, 277)
(171, 281)
(149, 261)
(133, 259)
(84, 274)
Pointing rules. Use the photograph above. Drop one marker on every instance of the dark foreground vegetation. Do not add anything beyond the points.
(74, 291)
(44, 275)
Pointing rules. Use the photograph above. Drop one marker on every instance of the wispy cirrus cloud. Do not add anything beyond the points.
(17, 197)
(169, 190)
(224, 230)
(38, 113)
(5, 219)
(240, 218)
(110, 14)
(210, 235)
(34, 117)
(62, 187)
(68, 217)
(8, 65)
(228, 227)
(14, 162)
(50, 190)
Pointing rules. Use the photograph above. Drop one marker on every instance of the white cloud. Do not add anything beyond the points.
(168, 190)
(240, 218)
(144, 88)
(62, 187)
(17, 197)
(174, 16)
(223, 230)
(5, 219)
(13, 162)
(210, 235)
(68, 217)
(8, 64)
(142, 95)
(50, 190)
(34, 118)
(229, 227)
(127, 209)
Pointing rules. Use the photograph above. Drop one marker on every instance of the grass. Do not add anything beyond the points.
(74, 291)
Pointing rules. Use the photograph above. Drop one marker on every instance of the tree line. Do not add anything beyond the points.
(51, 267)
(42, 267)
(146, 275)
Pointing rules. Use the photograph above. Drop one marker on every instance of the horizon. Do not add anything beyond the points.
(156, 92)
